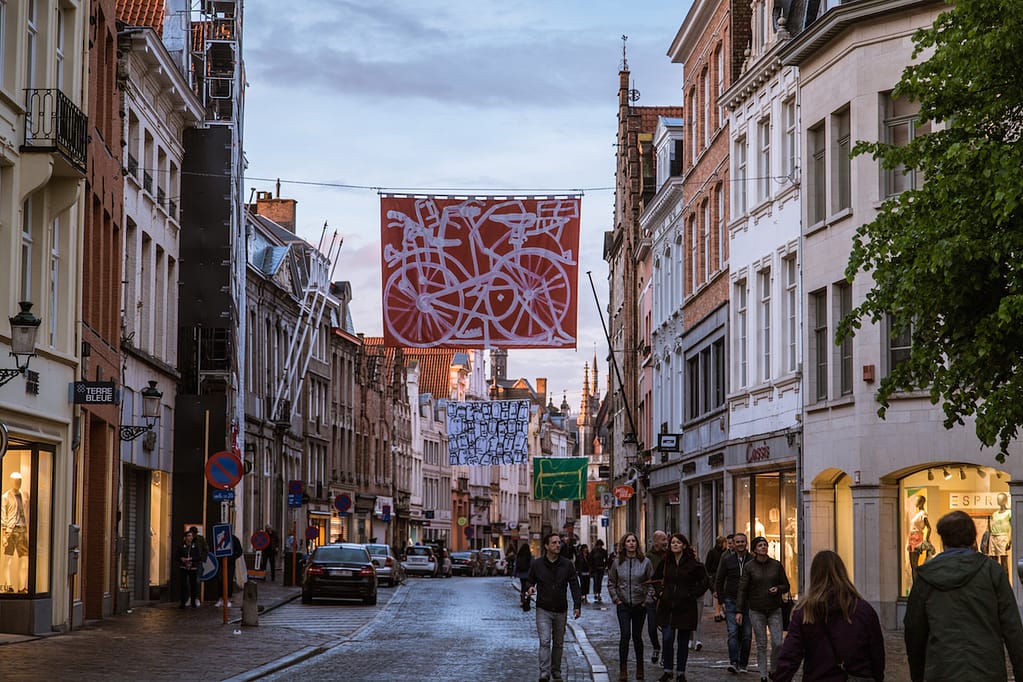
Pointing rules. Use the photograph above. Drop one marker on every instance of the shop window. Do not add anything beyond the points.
(765, 506)
(926, 496)
(844, 524)
(26, 478)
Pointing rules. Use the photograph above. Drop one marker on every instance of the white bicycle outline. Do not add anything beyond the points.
(433, 298)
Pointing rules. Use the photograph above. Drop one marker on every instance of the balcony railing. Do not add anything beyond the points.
(133, 166)
(172, 208)
(147, 181)
(54, 123)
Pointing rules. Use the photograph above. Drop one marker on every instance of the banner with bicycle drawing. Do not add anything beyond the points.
(480, 272)
(485, 432)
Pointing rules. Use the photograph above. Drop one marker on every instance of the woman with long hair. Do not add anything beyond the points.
(628, 584)
(683, 580)
(523, 558)
(833, 632)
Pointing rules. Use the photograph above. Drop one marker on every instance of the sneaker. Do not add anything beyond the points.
(733, 668)
(229, 604)
(195, 604)
(698, 645)
(744, 670)
(656, 656)
(666, 677)
(220, 602)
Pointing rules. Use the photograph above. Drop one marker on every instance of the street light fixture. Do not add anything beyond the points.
(150, 412)
(24, 329)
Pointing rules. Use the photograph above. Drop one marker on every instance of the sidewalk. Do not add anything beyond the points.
(159, 640)
(600, 624)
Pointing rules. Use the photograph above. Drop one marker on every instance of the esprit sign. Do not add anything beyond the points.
(757, 454)
(973, 500)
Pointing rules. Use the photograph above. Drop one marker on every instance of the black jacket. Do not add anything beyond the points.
(189, 556)
(726, 581)
(550, 580)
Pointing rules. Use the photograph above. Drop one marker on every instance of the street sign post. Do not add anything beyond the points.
(260, 540)
(295, 494)
(312, 533)
(342, 503)
(223, 495)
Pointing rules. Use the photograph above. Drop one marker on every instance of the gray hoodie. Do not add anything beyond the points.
(628, 581)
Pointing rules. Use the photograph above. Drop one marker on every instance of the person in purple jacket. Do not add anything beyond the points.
(834, 633)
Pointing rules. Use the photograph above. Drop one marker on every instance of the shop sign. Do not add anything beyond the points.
(980, 499)
(757, 454)
(624, 492)
(94, 393)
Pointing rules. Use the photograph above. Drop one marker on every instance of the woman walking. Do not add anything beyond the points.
(711, 564)
(762, 587)
(834, 633)
(629, 586)
(522, 561)
(582, 569)
(683, 581)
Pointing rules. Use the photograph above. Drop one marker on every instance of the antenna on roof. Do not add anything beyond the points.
(625, 62)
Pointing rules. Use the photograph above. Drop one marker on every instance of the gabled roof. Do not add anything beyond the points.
(434, 369)
(142, 13)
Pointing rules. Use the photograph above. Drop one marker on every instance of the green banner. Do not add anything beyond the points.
(559, 478)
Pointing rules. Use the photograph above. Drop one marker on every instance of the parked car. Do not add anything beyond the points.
(389, 569)
(495, 560)
(420, 560)
(341, 571)
(464, 563)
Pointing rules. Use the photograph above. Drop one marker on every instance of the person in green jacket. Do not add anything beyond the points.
(961, 613)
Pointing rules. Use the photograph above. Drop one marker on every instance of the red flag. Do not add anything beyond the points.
(480, 272)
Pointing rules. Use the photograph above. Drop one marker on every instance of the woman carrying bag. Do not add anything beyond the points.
(628, 584)
(834, 633)
(683, 580)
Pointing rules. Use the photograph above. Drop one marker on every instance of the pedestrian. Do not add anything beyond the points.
(522, 561)
(658, 550)
(762, 588)
(630, 587)
(961, 615)
(726, 588)
(682, 580)
(548, 578)
(833, 633)
(204, 550)
(598, 565)
(189, 560)
(582, 569)
(270, 556)
(568, 548)
(711, 564)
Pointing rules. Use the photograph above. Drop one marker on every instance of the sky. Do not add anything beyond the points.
(348, 96)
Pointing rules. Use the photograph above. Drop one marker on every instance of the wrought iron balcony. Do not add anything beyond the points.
(53, 123)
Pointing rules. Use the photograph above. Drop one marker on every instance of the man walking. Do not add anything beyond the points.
(548, 577)
(961, 615)
(658, 550)
(598, 565)
(726, 589)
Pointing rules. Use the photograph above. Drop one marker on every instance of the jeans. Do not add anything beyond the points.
(550, 627)
(762, 621)
(682, 653)
(630, 624)
(189, 587)
(584, 584)
(738, 642)
(598, 582)
(651, 627)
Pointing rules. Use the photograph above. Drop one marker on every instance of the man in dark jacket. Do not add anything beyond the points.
(548, 577)
(961, 614)
(598, 565)
(761, 588)
(726, 589)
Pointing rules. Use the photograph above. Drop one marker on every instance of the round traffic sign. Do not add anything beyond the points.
(312, 532)
(224, 470)
(295, 487)
(469, 532)
(462, 521)
(342, 503)
(260, 540)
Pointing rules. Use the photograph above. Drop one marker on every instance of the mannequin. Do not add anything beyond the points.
(919, 541)
(1001, 533)
(14, 509)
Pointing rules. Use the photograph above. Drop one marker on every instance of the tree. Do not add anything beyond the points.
(947, 258)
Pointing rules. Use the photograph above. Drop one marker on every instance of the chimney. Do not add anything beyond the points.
(541, 389)
(281, 211)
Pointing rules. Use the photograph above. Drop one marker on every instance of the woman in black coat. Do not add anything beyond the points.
(682, 581)
(522, 561)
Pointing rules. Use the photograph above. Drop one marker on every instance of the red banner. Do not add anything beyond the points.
(479, 272)
(592, 506)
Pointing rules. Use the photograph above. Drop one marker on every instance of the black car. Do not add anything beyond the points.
(463, 563)
(343, 571)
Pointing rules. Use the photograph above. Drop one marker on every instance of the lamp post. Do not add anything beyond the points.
(24, 329)
(150, 412)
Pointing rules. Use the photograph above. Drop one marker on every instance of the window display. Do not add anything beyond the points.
(765, 505)
(25, 507)
(981, 492)
(14, 512)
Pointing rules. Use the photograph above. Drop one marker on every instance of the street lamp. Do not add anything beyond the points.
(150, 412)
(24, 329)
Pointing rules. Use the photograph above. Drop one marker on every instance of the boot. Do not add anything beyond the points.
(639, 669)
(623, 673)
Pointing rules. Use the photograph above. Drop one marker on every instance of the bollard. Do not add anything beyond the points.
(250, 603)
